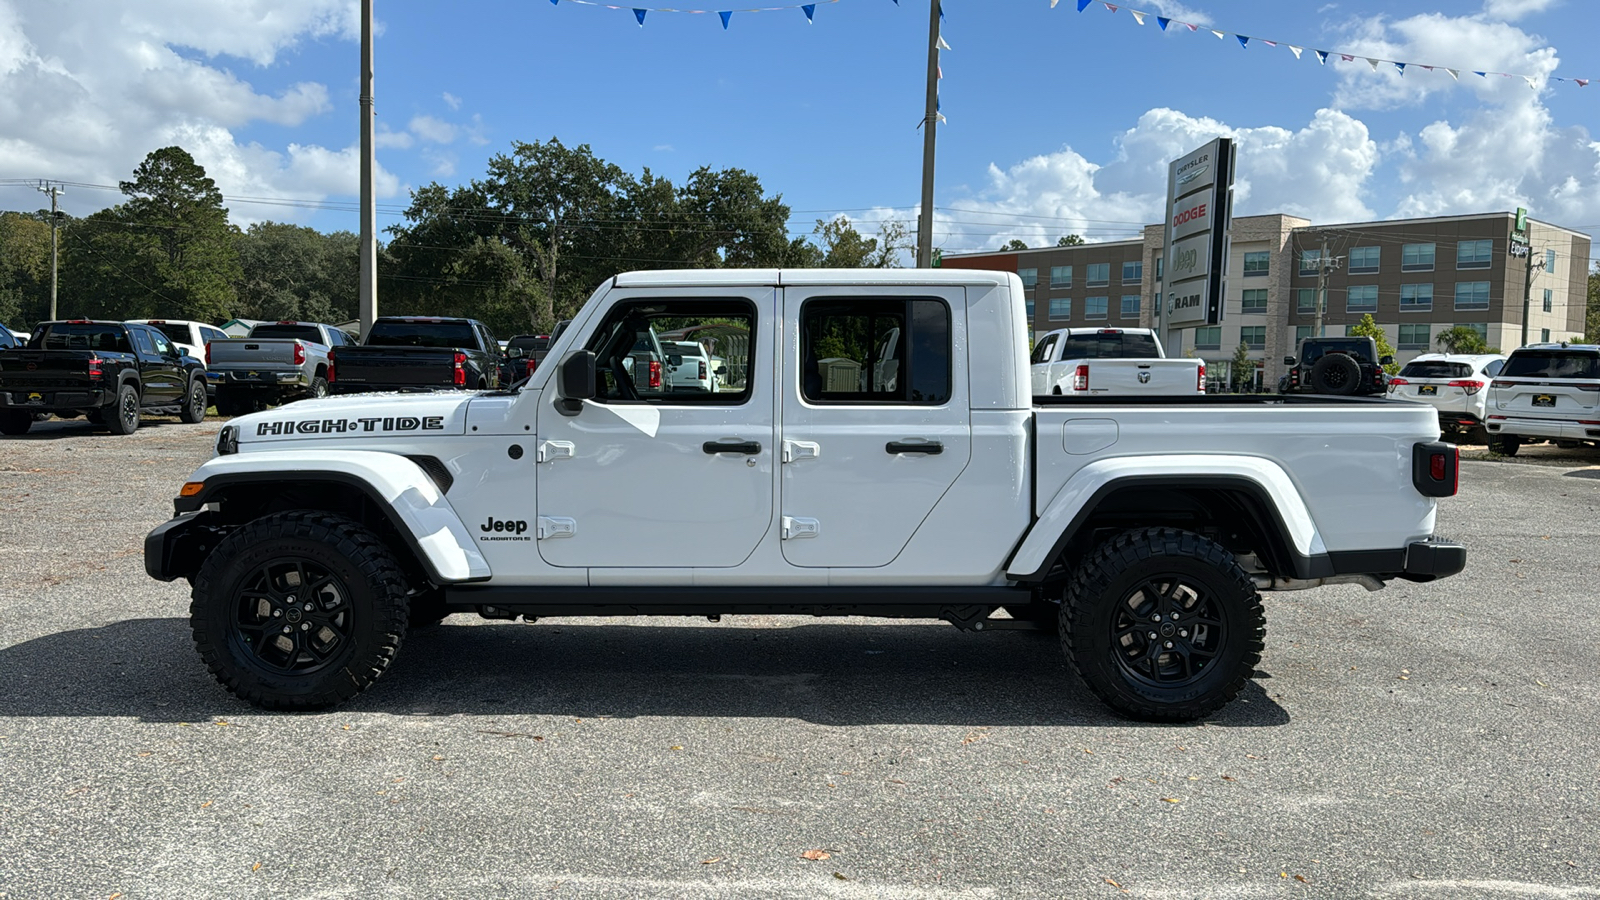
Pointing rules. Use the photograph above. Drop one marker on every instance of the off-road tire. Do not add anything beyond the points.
(319, 388)
(193, 410)
(1101, 596)
(1505, 445)
(365, 577)
(1336, 373)
(122, 415)
(15, 421)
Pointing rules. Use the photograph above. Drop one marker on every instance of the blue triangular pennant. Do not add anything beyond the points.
(1401, 66)
(1484, 74)
(726, 16)
(639, 14)
(1322, 57)
(1163, 21)
(555, 2)
(1244, 42)
(810, 9)
(1084, 4)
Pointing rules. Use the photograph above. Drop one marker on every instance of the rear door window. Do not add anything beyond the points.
(1041, 353)
(876, 351)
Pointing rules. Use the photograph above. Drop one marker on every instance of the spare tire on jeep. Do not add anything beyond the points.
(1336, 373)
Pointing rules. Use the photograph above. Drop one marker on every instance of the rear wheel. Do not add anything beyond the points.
(1570, 445)
(299, 610)
(193, 410)
(1505, 445)
(230, 404)
(1163, 624)
(15, 421)
(122, 416)
(319, 388)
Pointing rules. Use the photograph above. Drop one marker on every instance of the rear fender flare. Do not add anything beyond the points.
(1262, 479)
(398, 487)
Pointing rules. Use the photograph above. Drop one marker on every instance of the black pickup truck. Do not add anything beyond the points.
(413, 353)
(111, 372)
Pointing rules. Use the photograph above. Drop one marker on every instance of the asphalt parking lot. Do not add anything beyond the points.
(1424, 741)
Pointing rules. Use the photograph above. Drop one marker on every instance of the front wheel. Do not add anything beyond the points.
(15, 421)
(1163, 625)
(299, 610)
(193, 410)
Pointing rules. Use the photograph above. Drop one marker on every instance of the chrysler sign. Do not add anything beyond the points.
(1199, 210)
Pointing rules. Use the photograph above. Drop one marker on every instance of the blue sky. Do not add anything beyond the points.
(1058, 120)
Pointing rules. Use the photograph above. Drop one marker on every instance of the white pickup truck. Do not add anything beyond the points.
(1129, 362)
(825, 483)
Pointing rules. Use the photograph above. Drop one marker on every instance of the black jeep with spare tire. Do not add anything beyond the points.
(1346, 366)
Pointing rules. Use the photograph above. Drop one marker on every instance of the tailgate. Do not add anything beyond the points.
(257, 352)
(30, 370)
(391, 366)
(1148, 377)
(1545, 398)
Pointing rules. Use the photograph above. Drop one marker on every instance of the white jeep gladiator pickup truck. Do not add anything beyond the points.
(1079, 362)
(825, 482)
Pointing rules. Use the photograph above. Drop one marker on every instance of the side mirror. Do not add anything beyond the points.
(1386, 361)
(1288, 360)
(675, 359)
(722, 370)
(516, 352)
(575, 382)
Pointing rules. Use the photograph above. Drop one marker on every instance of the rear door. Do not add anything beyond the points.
(874, 424)
(158, 366)
(1556, 383)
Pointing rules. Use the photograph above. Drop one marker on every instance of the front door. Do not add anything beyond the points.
(875, 425)
(649, 476)
(158, 367)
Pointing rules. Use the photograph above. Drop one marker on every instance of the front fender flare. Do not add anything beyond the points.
(1077, 499)
(405, 493)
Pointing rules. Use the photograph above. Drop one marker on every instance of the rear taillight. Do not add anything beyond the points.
(94, 368)
(1471, 387)
(1080, 379)
(1496, 418)
(1200, 379)
(460, 374)
(702, 370)
(208, 353)
(1436, 469)
(530, 367)
(655, 374)
(332, 356)
(299, 353)
(1397, 381)
(1498, 384)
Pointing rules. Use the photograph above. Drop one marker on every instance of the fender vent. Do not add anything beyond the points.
(436, 470)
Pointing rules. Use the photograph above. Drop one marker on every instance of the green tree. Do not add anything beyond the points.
(1071, 240)
(841, 246)
(1368, 328)
(1015, 244)
(1243, 370)
(1591, 319)
(294, 272)
(1461, 339)
(24, 269)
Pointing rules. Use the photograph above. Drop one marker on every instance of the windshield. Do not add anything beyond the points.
(1360, 348)
(85, 336)
(1436, 369)
(1552, 364)
(178, 333)
(1110, 345)
(288, 332)
(438, 335)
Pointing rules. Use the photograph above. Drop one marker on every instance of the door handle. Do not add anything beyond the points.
(932, 448)
(749, 448)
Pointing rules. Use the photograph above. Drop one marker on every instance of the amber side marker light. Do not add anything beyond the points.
(192, 488)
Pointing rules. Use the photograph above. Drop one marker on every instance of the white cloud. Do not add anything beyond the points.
(435, 131)
(1516, 9)
(1462, 43)
(451, 100)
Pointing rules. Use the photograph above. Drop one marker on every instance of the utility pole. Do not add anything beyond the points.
(930, 124)
(1527, 292)
(1324, 266)
(55, 191)
(369, 209)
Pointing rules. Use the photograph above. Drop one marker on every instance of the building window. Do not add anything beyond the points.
(1160, 266)
(1414, 337)
(1301, 332)
(1361, 298)
(1474, 254)
(1472, 295)
(1060, 307)
(1310, 261)
(1030, 277)
(1549, 299)
(1029, 303)
(1094, 307)
(1416, 258)
(1364, 260)
(1482, 328)
(1416, 297)
(1060, 276)
(1132, 272)
(1254, 300)
(1544, 335)
(1254, 336)
(1130, 306)
(1208, 338)
(1305, 300)
(1099, 274)
(1549, 260)
(1256, 263)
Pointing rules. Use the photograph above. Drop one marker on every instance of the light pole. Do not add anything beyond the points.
(55, 191)
(369, 210)
(1534, 265)
(930, 124)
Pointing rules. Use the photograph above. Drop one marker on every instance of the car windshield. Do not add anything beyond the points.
(86, 336)
(288, 332)
(438, 335)
(1436, 368)
(1110, 345)
(1360, 348)
(683, 349)
(1552, 364)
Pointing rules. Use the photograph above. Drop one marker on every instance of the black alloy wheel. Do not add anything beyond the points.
(193, 410)
(292, 616)
(1163, 624)
(122, 416)
(1336, 373)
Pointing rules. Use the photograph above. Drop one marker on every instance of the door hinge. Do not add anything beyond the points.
(552, 527)
(796, 528)
(795, 450)
(553, 450)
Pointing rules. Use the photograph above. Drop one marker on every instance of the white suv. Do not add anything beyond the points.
(1546, 392)
(1457, 385)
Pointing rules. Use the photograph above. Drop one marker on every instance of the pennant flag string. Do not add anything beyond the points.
(726, 15)
(1139, 17)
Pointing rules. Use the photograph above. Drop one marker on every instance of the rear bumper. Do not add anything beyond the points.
(1426, 560)
(257, 378)
(1434, 558)
(52, 400)
(1547, 429)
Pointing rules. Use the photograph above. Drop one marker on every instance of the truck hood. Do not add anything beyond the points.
(359, 416)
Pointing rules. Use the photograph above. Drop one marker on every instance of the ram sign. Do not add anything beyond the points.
(1199, 210)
